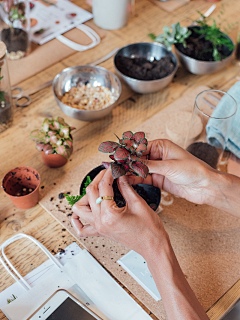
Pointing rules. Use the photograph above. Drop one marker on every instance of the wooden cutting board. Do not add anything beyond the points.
(205, 240)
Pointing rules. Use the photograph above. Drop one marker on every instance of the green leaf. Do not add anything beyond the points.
(73, 199)
(152, 36)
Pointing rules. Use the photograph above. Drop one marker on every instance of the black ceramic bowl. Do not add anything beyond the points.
(153, 193)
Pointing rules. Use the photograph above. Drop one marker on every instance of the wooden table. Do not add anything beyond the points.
(17, 149)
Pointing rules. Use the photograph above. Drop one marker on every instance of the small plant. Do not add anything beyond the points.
(178, 34)
(126, 154)
(73, 199)
(11, 299)
(213, 34)
(54, 137)
(210, 32)
(17, 12)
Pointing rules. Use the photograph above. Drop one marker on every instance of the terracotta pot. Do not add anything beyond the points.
(16, 185)
(54, 160)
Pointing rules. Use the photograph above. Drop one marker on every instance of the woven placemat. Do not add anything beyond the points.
(205, 240)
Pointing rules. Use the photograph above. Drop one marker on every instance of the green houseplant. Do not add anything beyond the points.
(202, 48)
(126, 154)
(54, 140)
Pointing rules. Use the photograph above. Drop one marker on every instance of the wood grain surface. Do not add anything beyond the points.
(17, 148)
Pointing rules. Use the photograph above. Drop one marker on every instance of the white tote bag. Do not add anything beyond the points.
(83, 277)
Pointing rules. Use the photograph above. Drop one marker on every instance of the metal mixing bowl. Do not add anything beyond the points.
(148, 51)
(202, 67)
(75, 76)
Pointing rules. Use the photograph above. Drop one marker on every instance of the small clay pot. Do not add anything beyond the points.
(22, 186)
(54, 160)
(154, 193)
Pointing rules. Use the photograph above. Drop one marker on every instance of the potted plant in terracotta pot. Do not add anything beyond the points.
(202, 48)
(22, 186)
(55, 141)
(126, 156)
(16, 35)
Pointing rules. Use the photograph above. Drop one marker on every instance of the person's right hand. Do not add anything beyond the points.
(175, 170)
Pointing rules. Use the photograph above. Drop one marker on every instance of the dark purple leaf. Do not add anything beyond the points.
(132, 157)
(121, 154)
(138, 136)
(128, 142)
(117, 170)
(108, 146)
(127, 135)
(140, 168)
(141, 147)
(144, 141)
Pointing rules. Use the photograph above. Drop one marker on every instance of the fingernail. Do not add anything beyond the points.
(75, 226)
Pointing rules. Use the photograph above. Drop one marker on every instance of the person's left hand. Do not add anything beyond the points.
(136, 225)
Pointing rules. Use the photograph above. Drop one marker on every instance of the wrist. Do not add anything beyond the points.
(156, 247)
(223, 191)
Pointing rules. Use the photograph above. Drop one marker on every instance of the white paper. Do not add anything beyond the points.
(37, 275)
(100, 287)
(55, 17)
(136, 266)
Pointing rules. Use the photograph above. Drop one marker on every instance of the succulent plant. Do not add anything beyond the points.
(126, 154)
(178, 34)
(54, 137)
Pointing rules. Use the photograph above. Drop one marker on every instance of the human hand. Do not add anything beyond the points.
(136, 225)
(175, 170)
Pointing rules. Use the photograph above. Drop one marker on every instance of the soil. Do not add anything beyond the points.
(204, 152)
(5, 113)
(143, 69)
(120, 201)
(238, 52)
(151, 194)
(21, 190)
(15, 39)
(201, 49)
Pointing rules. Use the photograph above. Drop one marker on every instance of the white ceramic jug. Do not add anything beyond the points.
(111, 14)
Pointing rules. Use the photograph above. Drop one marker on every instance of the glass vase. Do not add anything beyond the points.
(15, 29)
(209, 143)
(6, 117)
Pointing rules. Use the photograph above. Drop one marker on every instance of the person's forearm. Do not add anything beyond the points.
(178, 298)
(223, 192)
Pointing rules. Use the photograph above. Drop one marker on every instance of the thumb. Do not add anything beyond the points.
(162, 167)
(127, 191)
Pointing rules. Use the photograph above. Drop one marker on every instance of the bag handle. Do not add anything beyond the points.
(8, 265)
(78, 47)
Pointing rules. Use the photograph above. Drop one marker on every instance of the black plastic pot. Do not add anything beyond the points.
(154, 193)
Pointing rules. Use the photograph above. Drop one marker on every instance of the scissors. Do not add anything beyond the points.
(26, 94)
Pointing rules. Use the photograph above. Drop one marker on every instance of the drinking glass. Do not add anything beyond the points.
(210, 126)
(6, 114)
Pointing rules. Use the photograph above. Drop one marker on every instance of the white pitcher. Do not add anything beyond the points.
(111, 14)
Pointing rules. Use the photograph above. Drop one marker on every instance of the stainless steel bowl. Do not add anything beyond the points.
(74, 76)
(148, 51)
(202, 67)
